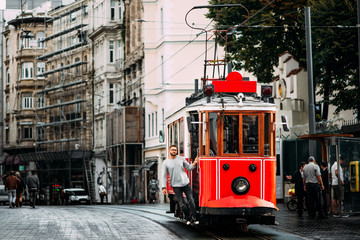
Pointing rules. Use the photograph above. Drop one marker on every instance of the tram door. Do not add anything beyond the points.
(194, 149)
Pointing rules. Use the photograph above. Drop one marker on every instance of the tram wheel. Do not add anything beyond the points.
(292, 205)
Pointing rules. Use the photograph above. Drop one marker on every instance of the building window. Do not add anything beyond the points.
(111, 51)
(7, 105)
(40, 102)
(73, 16)
(86, 11)
(7, 76)
(27, 101)
(40, 133)
(149, 130)
(119, 53)
(40, 36)
(27, 42)
(112, 10)
(40, 69)
(111, 93)
(27, 133)
(156, 124)
(7, 133)
(120, 12)
(152, 124)
(78, 105)
(77, 68)
(85, 65)
(27, 70)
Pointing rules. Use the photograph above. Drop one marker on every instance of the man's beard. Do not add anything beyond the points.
(173, 154)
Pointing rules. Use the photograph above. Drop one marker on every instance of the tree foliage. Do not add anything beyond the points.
(276, 26)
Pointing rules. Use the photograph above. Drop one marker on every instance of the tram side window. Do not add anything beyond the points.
(231, 134)
(213, 133)
(181, 136)
(267, 134)
(170, 135)
(176, 134)
(250, 133)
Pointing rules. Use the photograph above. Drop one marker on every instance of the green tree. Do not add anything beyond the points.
(278, 26)
(335, 52)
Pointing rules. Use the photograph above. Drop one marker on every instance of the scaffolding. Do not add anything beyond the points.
(63, 106)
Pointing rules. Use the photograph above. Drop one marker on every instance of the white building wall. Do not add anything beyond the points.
(171, 63)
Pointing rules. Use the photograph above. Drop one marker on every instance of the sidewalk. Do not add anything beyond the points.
(329, 228)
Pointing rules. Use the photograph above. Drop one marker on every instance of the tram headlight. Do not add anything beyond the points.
(240, 185)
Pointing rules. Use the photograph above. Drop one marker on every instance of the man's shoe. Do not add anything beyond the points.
(335, 215)
(188, 223)
(196, 222)
(345, 216)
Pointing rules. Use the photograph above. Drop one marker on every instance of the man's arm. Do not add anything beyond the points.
(320, 182)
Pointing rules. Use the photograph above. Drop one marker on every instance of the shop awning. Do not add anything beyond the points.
(146, 166)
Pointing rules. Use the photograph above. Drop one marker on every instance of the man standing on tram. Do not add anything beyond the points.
(179, 181)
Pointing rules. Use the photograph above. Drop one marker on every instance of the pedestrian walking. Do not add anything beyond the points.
(313, 186)
(102, 192)
(297, 179)
(179, 181)
(33, 186)
(19, 190)
(153, 190)
(337, 189)
(325, 192)
(11, 184)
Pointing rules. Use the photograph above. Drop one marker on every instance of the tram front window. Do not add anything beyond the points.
(250, 133)
(231, 134)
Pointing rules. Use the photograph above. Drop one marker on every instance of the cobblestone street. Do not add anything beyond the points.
(150, 221)
(76, 222)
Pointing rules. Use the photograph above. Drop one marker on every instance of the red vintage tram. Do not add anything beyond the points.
(232, 131)
(234, 137)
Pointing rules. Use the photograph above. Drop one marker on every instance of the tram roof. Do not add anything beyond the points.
(233, 102)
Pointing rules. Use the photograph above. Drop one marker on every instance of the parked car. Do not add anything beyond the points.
(76, 196)
(3, 195)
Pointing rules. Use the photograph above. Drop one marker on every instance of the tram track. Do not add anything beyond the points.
(139, 211)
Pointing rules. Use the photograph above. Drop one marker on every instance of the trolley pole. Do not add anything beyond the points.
(312, 143)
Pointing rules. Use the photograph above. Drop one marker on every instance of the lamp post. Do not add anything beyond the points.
(311, 110)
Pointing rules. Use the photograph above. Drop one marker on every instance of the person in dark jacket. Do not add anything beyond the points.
(11, 184)
(19, 190)
(297, 179)
(33, 185)
(325, 192)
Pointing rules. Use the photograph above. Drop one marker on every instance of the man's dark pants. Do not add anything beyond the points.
(300, 204)
(32, 194)
(179, 195)
(314, 199)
